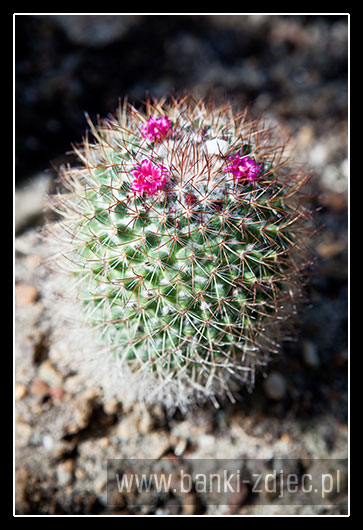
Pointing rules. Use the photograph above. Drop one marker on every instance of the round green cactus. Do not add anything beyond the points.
(185, 233)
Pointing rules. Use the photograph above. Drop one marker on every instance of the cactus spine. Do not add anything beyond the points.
(185, 232)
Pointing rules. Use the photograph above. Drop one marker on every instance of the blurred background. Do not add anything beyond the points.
(294, 67)
(294, 70)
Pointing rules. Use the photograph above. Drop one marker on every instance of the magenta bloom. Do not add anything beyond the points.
(156, 128)
(244, 168)
(149, 178)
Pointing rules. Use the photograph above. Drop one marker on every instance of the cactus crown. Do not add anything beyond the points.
(185, 229)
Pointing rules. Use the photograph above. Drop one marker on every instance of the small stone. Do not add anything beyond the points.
(82, 411)
(180, 446)
(318, 154)
(333, 200)
(111, 406)
(56, 392)
(65, 472)
(310, 354)
(127, 427)
(104, 441)
(304, 137)
(146, 423)
(158, 445)
(100, 483)
(331, 245)
(48, 442)
(80, 473)
(59, 449)
(275, 386)
(73, 384)
(29, 201)
(20, 391)
(206, 441)
(23, 433)
(25, 294)
(39, 388)
(49, 374)
(285, 437)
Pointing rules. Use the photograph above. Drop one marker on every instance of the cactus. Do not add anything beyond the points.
(184, 232)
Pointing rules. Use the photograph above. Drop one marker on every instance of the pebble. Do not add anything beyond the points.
(318, 154)
(285, 437)
(19, 391)
(146, 423)
(111, 406)
(23, 433)
(330, 249)
(48, 442)
(104, 441)
(39, 388)
(65, 472)
(56, 392)
(310, 354)
(25, 294)
(29, 201)
(206, 441)
(80, 473)
(126, 427)
(100, 483)
(83, 408)
(275, 386)
(49, 374)
(180, 446)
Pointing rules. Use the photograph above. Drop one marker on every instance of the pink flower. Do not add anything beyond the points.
(156, 128)
(149, 178)
(244, 168)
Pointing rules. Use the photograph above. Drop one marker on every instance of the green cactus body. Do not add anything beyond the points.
(192, 281)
